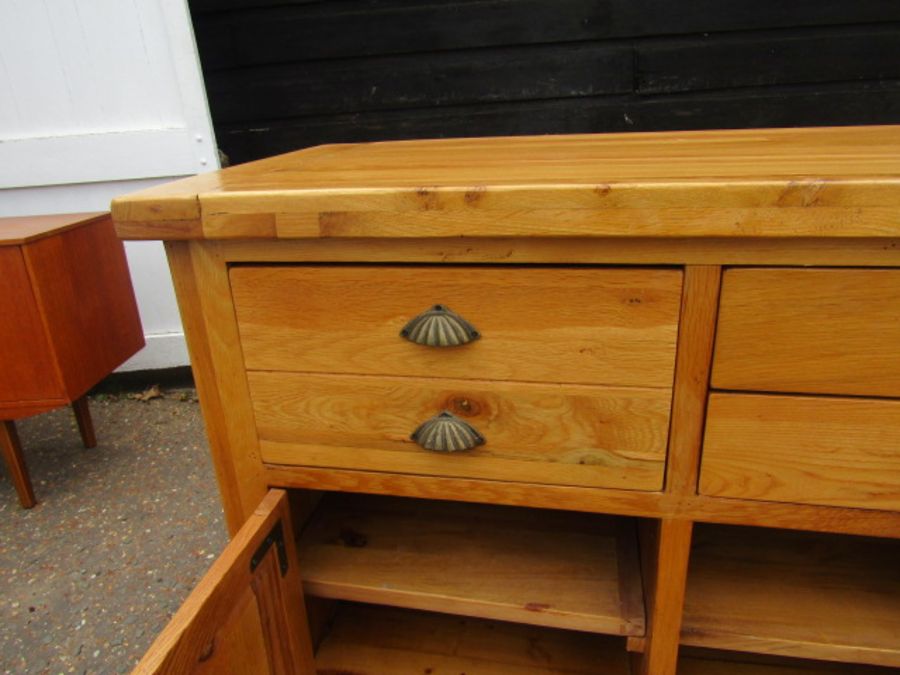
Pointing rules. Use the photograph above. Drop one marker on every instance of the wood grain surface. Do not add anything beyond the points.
(386, 641)
(794, 594)
(826, 182)
(18, 230)
(83, 287)
(665, 552)
(29, 372)
(829, 451)
(69, 311)
(596, 326)
(204, 299)
(612, 437)
(14, 459)
(809, 331)
(558, 569)
(239, 646)
(569, 251)
(712, 662)
(699, 305)
(233, 598)
(734, 511)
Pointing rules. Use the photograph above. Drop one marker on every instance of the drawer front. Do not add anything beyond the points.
(552, 434)
(809, 331)
(590, 326)
(827, 451)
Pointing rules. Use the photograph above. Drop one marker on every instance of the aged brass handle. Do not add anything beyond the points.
(447, 433)
(439, 327)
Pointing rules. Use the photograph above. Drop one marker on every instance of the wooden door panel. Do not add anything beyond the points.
(246, 615)
(83, 286)
(28, 371)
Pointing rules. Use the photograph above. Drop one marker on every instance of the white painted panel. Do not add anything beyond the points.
(56, 160)
(33, 91)
(99, 98)
(78, 66)
(151, 280)
(163, 350)
(70, 198)
(99, 90)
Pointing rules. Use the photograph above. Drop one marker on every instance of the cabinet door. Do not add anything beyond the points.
(29, 381)
(246, 615)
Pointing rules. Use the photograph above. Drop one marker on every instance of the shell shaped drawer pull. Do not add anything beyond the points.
(447, 433)
(439, 327)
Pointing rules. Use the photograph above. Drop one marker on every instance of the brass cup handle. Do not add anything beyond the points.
(447, 433)
(439, 326)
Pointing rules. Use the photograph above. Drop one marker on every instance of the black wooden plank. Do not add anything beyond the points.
(296, 31)
(340, 30)
(856, 103)
(643, 18)
(201, 6)
(446, 78)
(716, 62)
(837, 104)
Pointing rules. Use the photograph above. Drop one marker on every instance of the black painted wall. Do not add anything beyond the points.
(287, 74)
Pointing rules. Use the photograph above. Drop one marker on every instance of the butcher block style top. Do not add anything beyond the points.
(765, 183)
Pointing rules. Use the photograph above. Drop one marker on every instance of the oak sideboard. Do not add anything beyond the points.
(562, 404)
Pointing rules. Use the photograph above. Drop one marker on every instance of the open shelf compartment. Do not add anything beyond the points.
(801, 594)
(370, 640)
(373, 640)
(713, 662)
(548, 568)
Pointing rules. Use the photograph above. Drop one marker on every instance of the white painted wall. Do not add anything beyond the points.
(100, 98)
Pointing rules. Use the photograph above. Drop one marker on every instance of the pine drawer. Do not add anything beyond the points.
(810, 331)
(611, 326)
(568, 382)
(829, 451)
(536, 433)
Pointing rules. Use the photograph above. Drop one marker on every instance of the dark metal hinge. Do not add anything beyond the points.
(276, 536)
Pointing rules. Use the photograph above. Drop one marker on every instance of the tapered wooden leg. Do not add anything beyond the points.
(85, 423)
(666, 548)
(15, 462)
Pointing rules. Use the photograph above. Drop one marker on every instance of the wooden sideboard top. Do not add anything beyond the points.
(18, 230)
(814, 182)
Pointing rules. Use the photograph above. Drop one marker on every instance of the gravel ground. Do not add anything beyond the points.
(121, 534)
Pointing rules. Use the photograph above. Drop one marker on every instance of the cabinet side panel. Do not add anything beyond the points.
(204, 299)
(82, 284)
(28, 366)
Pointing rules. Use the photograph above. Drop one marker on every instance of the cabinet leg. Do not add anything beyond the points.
(665, 547)
(15, 462)
(85, 423)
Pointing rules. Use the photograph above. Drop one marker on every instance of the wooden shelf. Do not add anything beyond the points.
(366, 640)
(548, 568)
(744, 664)
(795, 594)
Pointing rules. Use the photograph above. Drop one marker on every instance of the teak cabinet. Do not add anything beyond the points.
(68, 318)
(667, 366)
